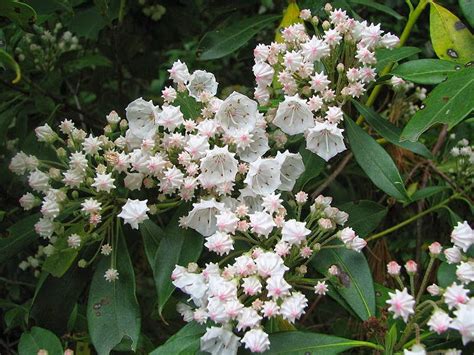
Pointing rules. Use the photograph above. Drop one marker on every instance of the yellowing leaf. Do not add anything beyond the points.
(451, 39)
(7, 60)
(290, 17)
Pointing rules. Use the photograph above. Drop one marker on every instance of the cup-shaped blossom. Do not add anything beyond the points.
(201, 82)
(325, 139)
(292, 167)
(293, 115)
(219, 166)
(263, 176)
(202, 217)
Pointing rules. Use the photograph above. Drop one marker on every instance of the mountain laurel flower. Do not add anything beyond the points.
(464, 322)
(74, 241)
(272, 203)
(262, 223)
(294, 232)
(291, 168)
(277, 287)
(219, 166)
(263, 74)
(170, 117)
(226, 221)
(435, 249)
(106, 249)
(90, 206)
(453, 255)
(141, 116)
(45, 134)
(325, 140)
(433, 290)
(179, 72)
(219, 341)
(357, 244)
(134, 212)
(465, 272)
(314, 49)
(411, 267)
(293, 307)
(44, 227)
(401, 304)
(92, 145)
(220, 243)
(39, 181)
(28, 201)
(201, 82)
(103, 182)
(263, 176)
(269, 264)
(347, 235)
(462, 236)
(321, 288)
(293, 115)
(202, 217)
(301, 197)
(256, 340)
(455, 295)
(393, 268)
(439, 321)
(417, 349)
(111, 275)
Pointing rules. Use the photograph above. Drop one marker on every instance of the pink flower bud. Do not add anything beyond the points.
(393, 268)
(433, 290)
(411, 266)
(435, 248)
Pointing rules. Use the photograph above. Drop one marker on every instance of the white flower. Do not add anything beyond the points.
(67, 126)
(74, 241)
(91, 206)
(389, 41)
(50, 208)
(45, 134)
(455, 295)
(263, 176)
(220, 243)
(219, 341)
(179, 72)
(111, 275)
(78, 160)
(244, 265)
(133, 181)
(293, 115)
(134, 212)
(417, 349)
(202, 217)
(453, 255)
(202, 82)
(277, 287)
(185, 311)
(28, 201)
(237, 112)
(256, 340)
(465, 272)
(462, 236)
(104, 182)
(325, 140)
(314, 49)
(219, 166)
(197, 146)
(18, 164)
(291, 168)
(332, 37)
(106, 249)
(262, 223)
(251, 285)
(356, 244)
(44, 227)
(263, 74)
(141, 116)
(439, 321)
(293, 307)
(464, 322)
(170, 117)
(38, 181)
(293, 60)
(91, 145)
(334, 115)
(294, 232)
(248, 318)
(371, 35)
(270, 264)
(270, 309)
(256, 148)
(226, 221)
(321, 288)
(401, 304)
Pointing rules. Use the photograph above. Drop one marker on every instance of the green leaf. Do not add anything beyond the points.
(359, 293)
(46, 7)
(425, 71)
(87, 23)
(313, 164)
(380, 7)
(190, 108)
(389, 131)
(427, 192)
(221, 42)
(290, 17)
(391, 339)
(448, 103)
(467, 8)
(375, 161)
(8, 61)
(87, 61)
(38, 338)
(20, 13)
(364, 216)
(387, 56)
(22, 234)
(60, 261)
(151, 234)
(113, 313)
(446, 274)
(178, 246)
(185, 341)
(311, 343)
(451, 39)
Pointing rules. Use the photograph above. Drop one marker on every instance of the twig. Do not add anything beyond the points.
(333, 175)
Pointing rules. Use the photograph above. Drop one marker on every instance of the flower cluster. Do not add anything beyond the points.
(259, 281)
(317, 75)
(452, 308)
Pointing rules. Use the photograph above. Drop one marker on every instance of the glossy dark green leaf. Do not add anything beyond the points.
(60, 261)
(364, 216)
(178, 246)
(221, 42)
(87, 23)
(39, 339)
(359, 293)
(311, 343)
(190, 108)
(185, 341)
(21, 234)
(19, 12)
(450, 102)
(113, 313)
(389, 131)
(446, 274)
(377, 6)
(375, 161)
(467, 8)
(425, 71)
(152, 235)
(387, 56)
(314, 165)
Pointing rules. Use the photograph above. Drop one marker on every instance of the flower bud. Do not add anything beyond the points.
(123, 124)
(453, 255)
(411, 267)
(393, 268)
(333, 270)
(340, 68)
(61, 153)
(433, 290)
(435, 249)
(82, 263)
(326, 25)
(328, 7)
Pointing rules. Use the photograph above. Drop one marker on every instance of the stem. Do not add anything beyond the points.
(425, 279)
(412, 284)
(412, 219)
(412, 18)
